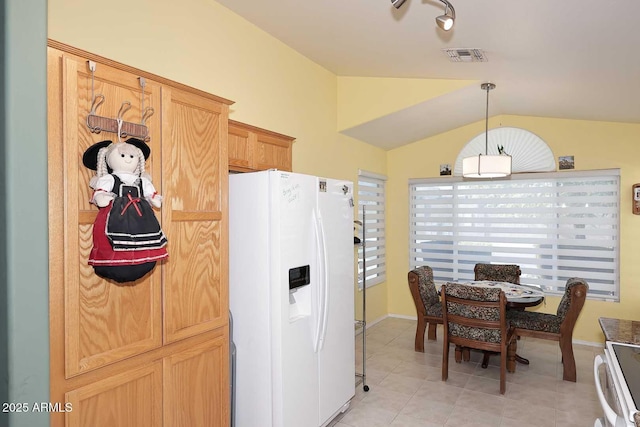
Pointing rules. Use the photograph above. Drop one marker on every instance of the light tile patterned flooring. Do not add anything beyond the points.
(406, 389)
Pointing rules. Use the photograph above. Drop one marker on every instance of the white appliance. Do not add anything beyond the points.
(291, 291)
(619, 390)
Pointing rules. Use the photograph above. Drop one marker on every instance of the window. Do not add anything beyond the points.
(554, 225)
(371, 202)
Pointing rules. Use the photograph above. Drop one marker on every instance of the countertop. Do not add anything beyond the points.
(636, 418)
(618, 330)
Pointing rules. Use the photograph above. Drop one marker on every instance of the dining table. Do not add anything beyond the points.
(518, 297)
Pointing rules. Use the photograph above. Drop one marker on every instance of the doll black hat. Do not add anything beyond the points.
(90, 157)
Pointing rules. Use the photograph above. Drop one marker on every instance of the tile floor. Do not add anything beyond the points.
(406, 389)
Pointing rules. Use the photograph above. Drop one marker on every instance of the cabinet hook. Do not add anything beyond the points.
(126, 106)
(96, 102)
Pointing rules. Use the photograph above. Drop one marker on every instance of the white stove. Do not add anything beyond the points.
(619, 394)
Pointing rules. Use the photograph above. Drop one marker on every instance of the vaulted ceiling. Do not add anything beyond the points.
(573, 59)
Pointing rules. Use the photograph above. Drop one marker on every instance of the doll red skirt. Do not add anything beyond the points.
(103, 254)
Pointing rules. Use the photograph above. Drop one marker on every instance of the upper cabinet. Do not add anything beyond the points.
(252, 148)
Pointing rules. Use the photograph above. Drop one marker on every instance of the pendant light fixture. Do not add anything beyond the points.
(484, 165)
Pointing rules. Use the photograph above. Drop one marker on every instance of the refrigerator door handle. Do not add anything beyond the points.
(318, 288)
(325, 283)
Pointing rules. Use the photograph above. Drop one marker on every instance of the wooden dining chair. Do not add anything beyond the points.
(475, 317)
(556, 327)
(500, 273)
(427, 302)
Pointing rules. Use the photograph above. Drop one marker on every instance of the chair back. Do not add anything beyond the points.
(474, 315)
(571, 303)
(498, 272)
(423, 289)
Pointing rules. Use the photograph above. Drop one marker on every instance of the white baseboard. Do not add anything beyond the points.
(589, 343)
(402, 316)
(378, 320)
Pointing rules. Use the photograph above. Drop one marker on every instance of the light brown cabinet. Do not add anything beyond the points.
(127, 399)
(252, 148)
(153, 353)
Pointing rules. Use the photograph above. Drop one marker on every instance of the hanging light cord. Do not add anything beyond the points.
(488, 87)
(486, 126)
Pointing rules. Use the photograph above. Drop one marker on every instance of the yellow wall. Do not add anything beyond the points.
(595, 145)
(362, 99)
(202, 44)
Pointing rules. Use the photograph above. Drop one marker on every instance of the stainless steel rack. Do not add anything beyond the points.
(361, 324)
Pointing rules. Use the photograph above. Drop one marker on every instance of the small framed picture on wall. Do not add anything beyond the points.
(445, 169)
(566, 162)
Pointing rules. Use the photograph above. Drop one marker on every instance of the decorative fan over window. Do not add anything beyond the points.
(528, 151)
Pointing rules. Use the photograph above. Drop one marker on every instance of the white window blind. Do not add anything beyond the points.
(371, 200)
(555, 226)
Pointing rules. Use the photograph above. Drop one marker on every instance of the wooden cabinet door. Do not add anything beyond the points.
(195, 174)
(99, 322)
(272, 153)
(196, 386)
(252, 148)
(133, 398)
(241, 148)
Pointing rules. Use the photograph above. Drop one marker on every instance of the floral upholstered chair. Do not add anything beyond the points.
(475, 317)
(557, 327)
(427, 301)
(498, 272)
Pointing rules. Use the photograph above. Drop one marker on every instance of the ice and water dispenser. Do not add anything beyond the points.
(299, 292)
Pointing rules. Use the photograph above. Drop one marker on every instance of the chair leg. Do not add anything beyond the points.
(445, 360)
(466, 354)
(422, 325)
(503, 370)
(458, 354)
(511, 355)
(568, 361)
(432, 331)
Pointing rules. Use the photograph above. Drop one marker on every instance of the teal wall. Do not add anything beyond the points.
(4, 373)
(24, 281)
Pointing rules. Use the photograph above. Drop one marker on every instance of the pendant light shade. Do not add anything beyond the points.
(484, 165)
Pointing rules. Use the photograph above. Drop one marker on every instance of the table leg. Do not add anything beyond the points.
(511, 356)
(485, 359)
(487, 354)
(520, 307)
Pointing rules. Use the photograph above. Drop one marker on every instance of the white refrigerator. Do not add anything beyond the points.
(291, 290)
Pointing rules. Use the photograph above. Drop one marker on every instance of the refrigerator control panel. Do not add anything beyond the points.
(298, 276)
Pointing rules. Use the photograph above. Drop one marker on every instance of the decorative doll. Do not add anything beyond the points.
(127, 238)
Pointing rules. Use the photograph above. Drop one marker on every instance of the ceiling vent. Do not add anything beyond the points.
(465, 55)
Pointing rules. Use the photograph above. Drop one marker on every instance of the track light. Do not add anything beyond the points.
(445, 21)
